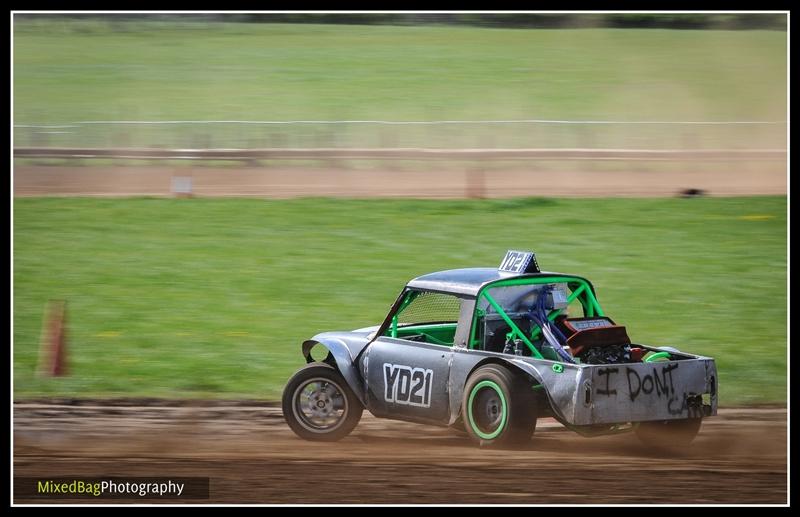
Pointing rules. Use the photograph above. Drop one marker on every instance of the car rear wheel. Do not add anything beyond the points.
(668, 434)
(318, 404)
(498, 408)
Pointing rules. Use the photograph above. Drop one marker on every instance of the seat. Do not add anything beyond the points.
(496, 329)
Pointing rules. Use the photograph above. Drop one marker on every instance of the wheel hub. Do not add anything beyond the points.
(320, 405)
(492, 410)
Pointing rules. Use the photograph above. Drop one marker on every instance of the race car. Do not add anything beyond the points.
(494, 349)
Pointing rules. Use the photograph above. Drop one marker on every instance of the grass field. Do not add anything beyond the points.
(211, 298)
(78, 71)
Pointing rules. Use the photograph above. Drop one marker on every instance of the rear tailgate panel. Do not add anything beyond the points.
(640, 392)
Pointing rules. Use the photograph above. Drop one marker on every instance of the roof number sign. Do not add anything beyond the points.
(519, 262)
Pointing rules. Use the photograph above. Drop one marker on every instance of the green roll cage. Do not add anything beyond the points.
(579, 289)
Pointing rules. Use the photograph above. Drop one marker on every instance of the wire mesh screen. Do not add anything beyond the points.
(430, 308)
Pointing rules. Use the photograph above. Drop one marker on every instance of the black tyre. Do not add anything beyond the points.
(669, 434)
(318, 404)
(499, 407)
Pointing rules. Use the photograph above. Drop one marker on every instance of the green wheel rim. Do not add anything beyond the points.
(504, 409)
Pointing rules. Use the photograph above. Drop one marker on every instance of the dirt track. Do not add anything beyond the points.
(251, 456)
(431, 182)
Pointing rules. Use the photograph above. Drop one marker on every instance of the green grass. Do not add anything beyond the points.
(205, 297)
(77, 71)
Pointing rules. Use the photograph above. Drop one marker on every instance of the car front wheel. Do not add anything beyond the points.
(318, 404)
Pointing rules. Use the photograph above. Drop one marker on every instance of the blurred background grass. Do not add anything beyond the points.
(83, 70)
(212, 297)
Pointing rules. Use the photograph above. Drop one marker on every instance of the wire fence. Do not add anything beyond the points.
(394, 154)
(383, 134)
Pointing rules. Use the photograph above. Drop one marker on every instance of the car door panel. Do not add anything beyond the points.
(407, 379)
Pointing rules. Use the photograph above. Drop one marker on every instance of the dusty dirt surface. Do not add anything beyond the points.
(251, 456)
(435, 182)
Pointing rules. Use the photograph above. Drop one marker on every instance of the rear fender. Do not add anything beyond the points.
(560, 382)
(558, 387)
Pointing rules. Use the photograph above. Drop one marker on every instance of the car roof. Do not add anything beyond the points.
(469, 281)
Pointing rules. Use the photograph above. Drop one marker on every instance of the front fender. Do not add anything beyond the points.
(340, 353)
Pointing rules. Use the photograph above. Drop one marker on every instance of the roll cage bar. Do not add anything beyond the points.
(579, 288)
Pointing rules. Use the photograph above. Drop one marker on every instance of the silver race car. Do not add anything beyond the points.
(492, 350)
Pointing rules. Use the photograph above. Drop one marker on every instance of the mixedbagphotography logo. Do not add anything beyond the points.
(111, 488)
